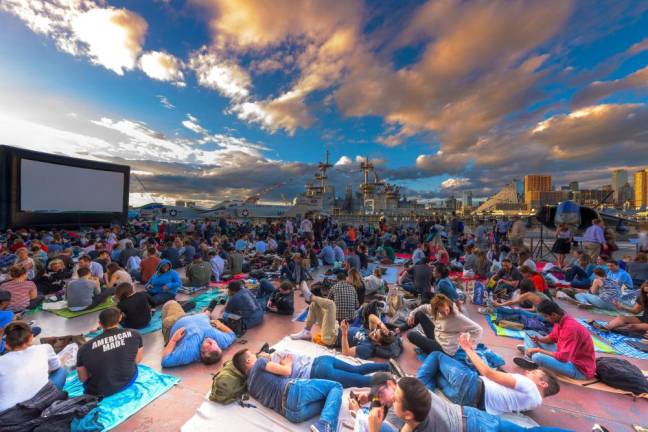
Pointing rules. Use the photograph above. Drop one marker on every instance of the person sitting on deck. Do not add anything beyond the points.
(345, 296)
(53, 282)
(96, 270)
(355, 341)
(536, 278)
(280, 300)
(443, 284)
(116, 275)
(217, 264)
(298, 399)
(107, 364)
(374, 283)
(85, 292)
(633, 323)
(198, 273)
(149, 264)
(192, 338)
(603, 293)
(24, 294)
(442, 323)
(506, 280)
(326, 367)
(488, 389)
(243, 303)
(327, 255)
(164, 284)
(567, 350)
(421, 275)
(134, 306)
(235, 261)
(26, 368)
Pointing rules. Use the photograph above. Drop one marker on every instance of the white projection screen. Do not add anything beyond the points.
(53, 188)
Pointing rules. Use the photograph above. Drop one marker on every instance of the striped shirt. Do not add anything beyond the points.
(19, 293)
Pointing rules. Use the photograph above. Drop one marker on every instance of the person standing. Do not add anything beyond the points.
(594, 239)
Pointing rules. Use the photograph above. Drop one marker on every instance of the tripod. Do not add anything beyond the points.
(541, 250)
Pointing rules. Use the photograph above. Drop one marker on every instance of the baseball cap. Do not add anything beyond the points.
(378, 380)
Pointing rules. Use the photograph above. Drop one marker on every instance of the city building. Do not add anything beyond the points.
(573, 186)
(533, 186)
(466, 199)
(641, 189)
(619, 180)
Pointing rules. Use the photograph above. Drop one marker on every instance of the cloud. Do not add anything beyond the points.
(454, 183)
(165, 102)
(344, 161)
(601, 89)
(109, 37)
(162, 66)
(191, 123)
(215, 72)
(639, 47)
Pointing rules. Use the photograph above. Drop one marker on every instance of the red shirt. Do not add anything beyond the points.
(148, 266)
(539, 282)
(575, 345)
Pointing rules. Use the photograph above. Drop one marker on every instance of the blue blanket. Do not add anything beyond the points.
(302, 316)
(617, 341)
(491, 358)
(115, 409)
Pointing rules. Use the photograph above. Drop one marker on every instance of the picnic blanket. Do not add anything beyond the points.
(599, 345)
(67, 313)
(115, 409)
(595, 384)
(618, 341)
(212, 415)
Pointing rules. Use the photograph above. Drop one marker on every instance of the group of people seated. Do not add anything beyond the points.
(352, 309)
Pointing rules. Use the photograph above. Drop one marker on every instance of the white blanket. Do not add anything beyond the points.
(215, 416)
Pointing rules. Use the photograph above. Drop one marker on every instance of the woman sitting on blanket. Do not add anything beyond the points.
(442, 323)
(630, 323)
(603, 293)
(134, 306)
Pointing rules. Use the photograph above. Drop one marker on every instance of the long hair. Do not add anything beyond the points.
(356, 279)
(438, 301)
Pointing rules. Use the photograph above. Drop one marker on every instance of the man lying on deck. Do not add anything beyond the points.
(297, 399)
(488, 389)
(423, 411)
(324, 367)
(192, 338)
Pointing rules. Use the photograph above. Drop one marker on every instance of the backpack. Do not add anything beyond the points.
(228, 385)
(621, 374)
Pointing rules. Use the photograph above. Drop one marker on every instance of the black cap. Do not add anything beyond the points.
(5, 296)
(379, 379)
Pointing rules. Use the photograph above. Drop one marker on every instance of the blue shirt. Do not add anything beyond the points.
(240, 245)
(245, 304)
(327, 255)
(7, 260)
(267, 387)
(621, 277)
(339, 253)
(261, 246)
(358, 338)
(594, 234)
(447, 288)
(197, 328)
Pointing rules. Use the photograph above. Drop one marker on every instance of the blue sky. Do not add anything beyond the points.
(215, 99)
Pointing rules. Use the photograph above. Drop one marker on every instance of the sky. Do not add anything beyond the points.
(209, 100)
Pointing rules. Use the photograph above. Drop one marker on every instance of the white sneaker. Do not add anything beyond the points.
(302, 335)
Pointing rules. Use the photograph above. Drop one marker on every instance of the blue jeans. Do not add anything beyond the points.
(57, 377)
(594, 300)
(160, 298)
(481, 421)
(459, 383)
(309, 397)
(333, 369)
(549, 362)
(264, 292)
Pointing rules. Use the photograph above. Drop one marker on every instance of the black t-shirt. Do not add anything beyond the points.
(110, 360)
(136, 310)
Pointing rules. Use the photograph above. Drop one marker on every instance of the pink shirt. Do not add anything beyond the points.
(575, 345)
(19, 293)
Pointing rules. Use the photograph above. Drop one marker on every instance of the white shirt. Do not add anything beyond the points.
(24, 373)
(499, 399)
(218, 267)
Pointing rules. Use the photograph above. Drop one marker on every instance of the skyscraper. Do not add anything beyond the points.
(619, 179)
(641, 189)
(466, 199)
(533, 186)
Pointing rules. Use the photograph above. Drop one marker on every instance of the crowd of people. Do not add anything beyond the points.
(142, 268)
